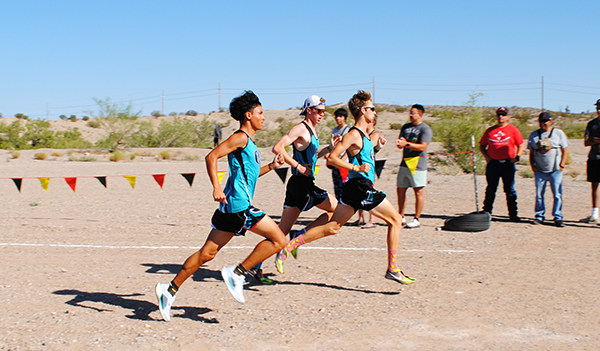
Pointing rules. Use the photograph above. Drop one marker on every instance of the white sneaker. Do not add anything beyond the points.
(165, 300)
(403, 221)
(234, 283)
(414, 223)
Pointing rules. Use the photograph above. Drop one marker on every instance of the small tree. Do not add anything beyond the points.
(156, 113)
(191, 113)
(63, 117)
(73, 118)
(118, 120)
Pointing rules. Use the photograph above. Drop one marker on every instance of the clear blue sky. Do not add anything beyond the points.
(62, 54)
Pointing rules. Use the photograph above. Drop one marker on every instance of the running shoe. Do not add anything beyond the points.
(414, 223)
(279, 259)
(403, 221)
(399, 276)
(294, 235)
(257, 274)
(165, 300)
(234, 283)
(591, 219)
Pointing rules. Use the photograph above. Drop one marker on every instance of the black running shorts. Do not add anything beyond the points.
(237, 222)
(593, 171)
(360, 194)
(302, 192)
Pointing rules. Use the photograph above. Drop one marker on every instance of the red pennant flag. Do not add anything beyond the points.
(160, 179)
(72, 181)
(344, 174)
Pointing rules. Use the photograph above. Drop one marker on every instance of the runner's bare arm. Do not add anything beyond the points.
(235, 141)
(350, 141)
(298, 133)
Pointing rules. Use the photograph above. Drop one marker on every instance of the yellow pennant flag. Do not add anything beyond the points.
(411, 163)
(44, 182)
(221, 175)
(316, 170)
(131, 180)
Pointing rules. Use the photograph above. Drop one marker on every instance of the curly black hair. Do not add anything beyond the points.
(242, 104)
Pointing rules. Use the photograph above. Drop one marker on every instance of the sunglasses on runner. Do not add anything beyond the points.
(318, 110)
(372, 108)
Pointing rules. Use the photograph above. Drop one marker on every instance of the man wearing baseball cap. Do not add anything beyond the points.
(502, 147)
(547, 158)
(592, 139)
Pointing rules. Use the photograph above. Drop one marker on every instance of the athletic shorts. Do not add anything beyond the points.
(238, 222)
(360, 194)
(408, 180)
(302, 192)
(593, 171)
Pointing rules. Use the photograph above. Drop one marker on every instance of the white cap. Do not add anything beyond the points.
(312, 101)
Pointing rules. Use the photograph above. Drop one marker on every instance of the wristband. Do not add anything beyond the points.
(270, 166)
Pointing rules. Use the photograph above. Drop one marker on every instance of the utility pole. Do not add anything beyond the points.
(542, 93)
(219, 97)
(162, 110)
(373, 89)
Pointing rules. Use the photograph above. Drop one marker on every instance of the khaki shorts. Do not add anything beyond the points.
(408, 180)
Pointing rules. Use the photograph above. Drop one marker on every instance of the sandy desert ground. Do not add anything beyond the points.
(79, 268)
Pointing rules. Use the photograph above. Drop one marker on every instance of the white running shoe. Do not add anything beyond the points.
(591, 219)
(414, 223)
(403, 221)
(234, 283)
(165, 300)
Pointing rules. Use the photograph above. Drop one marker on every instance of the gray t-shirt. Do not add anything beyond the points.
(547, 161)
(416, 134)
(341, 132)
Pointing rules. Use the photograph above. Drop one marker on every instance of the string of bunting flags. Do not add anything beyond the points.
(282, 172)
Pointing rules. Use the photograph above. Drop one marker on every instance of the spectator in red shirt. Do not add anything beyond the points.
(502, 146)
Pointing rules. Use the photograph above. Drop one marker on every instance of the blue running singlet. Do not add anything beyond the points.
(244, 169)
(365, 155)
(308, 155)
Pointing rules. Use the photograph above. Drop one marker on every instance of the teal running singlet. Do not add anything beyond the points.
(308, 155)
(366, 155)
(244, 169)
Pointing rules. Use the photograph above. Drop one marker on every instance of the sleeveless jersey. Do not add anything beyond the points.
(365, 155)
(308, 155)
(244, 169)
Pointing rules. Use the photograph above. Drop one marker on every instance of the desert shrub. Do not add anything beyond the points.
(269, 137)
(63, 117)
(526, 173)
(173, 114)
(21, 116)
(396, 126)
(56, 154)
(93, 123)
(73, 118)
(191, 113)
(15, 154)
(70, 139)
(165, 155)
(40, 156)
(132, 156)
(116, 156)
(454, 131)
(155, 113)
(86, 158)
(86, 118)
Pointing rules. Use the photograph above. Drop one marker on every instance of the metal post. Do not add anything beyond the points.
(474, 163)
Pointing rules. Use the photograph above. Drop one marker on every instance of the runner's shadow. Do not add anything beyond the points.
(140, 309)
(202, 274)
(334, 287)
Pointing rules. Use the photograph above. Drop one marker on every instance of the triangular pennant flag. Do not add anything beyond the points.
(18, 182)
(72, 181)
(282, 173)
(160, 179)
(102, 180)
(344, 174)
(221, 175)
(317, 170)
(189, 177)
(44, 182)
(131, 180)
(411, 163)
(379, 167)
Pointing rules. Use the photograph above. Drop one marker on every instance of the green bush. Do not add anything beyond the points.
(165, 155)
(116, 156)
(396, 126)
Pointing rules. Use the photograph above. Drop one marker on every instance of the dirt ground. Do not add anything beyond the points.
(79, 269)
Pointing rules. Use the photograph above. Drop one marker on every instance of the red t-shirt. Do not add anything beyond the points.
(501, 142)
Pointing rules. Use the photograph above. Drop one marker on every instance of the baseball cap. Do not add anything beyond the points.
(597, 103)
(502, 111)
(545, 117)
(312, 101)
